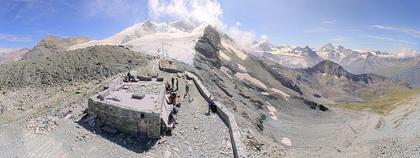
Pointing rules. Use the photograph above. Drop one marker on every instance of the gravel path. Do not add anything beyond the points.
(197, 134)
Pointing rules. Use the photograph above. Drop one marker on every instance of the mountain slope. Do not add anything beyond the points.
(176, 40)
(410, 76)
(52, 45)
(328, 82)
(77, 65)
(8, 55)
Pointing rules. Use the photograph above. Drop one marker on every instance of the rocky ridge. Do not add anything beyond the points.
(52, 45)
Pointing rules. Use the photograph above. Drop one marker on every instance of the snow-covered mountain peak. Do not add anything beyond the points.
(327, 47)
(265, 45)
(177, 39)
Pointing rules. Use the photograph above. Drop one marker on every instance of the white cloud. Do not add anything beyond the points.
(28, 11)
(338, 39)
(406, 52)
(382, 27)
(316, 30)
(392, 40)
(15, 38)
(264, 38)
(328, 22)
(243, 38)
(410, 31)
(201, 11)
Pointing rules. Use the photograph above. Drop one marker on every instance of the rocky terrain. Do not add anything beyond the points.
(27, 85)
(52, 45)
(78, 65)
(281, 111)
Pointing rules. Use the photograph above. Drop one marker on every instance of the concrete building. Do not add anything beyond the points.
(133, 107)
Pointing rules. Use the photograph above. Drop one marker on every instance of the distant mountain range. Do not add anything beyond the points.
(179, 40)
(8, 55)
(327, 81)
(398, 66)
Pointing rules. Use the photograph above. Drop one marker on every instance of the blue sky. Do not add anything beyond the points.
(375, 24)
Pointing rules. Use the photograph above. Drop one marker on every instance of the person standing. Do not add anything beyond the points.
(173, 82)
(187, 90)
(176, 83)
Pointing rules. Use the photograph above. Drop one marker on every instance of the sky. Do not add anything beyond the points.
(388, 25)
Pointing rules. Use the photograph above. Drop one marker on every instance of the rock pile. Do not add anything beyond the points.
(42, 125)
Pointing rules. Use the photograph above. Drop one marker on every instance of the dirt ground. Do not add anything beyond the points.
(197, 134)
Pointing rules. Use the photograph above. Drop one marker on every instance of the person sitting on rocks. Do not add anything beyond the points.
(172, 99)
(167, 86)
(130, 78)
(171, 119)
(212, 106)
(178, 104)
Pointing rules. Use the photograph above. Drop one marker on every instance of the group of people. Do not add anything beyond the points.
(171, 89)
(173, 99)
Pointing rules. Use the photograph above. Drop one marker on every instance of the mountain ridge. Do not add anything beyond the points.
(53, 45)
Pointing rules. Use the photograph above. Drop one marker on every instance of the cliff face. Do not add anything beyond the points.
(208, 47)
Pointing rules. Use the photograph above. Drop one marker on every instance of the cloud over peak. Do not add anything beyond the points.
(198, 11)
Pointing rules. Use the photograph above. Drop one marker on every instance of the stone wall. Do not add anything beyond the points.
(165, 68)
(227, 117)
(125, 119)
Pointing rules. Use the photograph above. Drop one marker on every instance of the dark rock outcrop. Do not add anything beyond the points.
(284, 80)
(208, 46)
(315, 106)
(332, 68)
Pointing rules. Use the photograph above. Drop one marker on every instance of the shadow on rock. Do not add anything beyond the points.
(131, 142)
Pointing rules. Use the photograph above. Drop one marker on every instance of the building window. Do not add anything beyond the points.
(141, 115)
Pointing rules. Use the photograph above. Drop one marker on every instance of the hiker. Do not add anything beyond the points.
(173, 81)
(130, 78)
(176, 82)
(187, 90)
(174, 110)
(167, 86)
(178, 104)
(172, 99)
(212, 106)
(171, 119)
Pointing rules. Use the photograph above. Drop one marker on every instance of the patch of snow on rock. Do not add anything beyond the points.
(246, 76)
